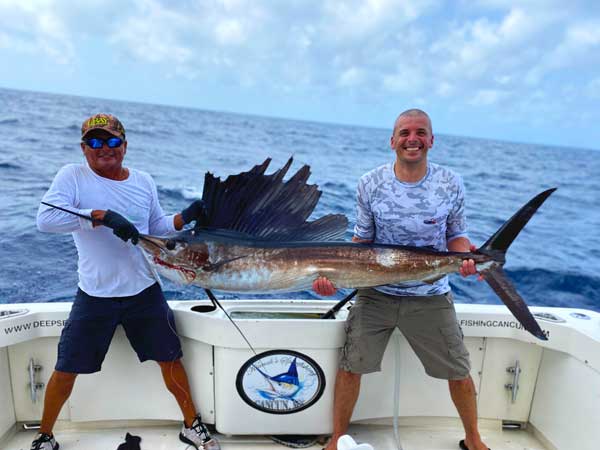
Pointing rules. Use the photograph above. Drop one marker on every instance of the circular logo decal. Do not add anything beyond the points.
(280, 382)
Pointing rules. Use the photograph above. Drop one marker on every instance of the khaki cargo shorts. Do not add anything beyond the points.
(428, 323)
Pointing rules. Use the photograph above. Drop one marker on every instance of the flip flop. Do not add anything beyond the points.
(463, 446)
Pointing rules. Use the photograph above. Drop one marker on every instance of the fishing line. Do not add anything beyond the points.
(83, 216)
(181, 388)
(216, 302)
(186, 393)
(211, 296)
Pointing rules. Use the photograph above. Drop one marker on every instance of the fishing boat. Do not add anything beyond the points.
(532, 394)
(262, 371)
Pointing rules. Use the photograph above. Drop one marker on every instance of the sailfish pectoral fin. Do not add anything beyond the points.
(432, 279)
(211, 267)
(498, 281)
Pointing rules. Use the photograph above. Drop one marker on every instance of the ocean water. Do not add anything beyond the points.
(554, 262)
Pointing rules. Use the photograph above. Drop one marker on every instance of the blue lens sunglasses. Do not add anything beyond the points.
(96, 143)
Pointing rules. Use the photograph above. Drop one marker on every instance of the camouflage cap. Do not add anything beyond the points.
(104, 122)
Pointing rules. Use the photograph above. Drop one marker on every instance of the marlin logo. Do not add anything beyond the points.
(285, 385)
(299, 382)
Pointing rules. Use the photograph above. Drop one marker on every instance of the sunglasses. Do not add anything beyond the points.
(96, 143)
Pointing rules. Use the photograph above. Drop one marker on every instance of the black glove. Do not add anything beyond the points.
(121, 227)
(196, 211)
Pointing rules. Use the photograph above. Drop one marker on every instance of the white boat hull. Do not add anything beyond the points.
(558, 388)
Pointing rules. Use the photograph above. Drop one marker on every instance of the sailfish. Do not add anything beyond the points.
(256, 238)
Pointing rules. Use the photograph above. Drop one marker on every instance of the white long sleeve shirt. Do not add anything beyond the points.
(107, 266)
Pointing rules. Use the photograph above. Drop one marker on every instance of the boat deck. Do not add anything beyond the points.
(442, 434)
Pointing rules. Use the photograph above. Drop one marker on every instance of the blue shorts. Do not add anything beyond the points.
(147, 320)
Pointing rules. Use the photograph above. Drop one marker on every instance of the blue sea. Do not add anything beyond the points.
(555, 261)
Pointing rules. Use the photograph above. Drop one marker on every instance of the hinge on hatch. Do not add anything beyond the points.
(34, 385)
(514, 386)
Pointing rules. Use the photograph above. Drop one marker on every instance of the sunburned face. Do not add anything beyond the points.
(104, 161)
(412, 138)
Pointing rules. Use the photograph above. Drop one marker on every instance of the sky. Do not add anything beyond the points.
(524, 71)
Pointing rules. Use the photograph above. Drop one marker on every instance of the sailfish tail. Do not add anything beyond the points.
(496, 247)
(498, 281)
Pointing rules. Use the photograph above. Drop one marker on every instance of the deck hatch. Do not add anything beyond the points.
(549, 317)
(12, 313)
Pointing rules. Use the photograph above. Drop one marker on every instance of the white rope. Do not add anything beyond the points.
(397, 389)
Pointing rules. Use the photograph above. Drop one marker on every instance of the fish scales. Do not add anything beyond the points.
(232, 259)
(284, 268)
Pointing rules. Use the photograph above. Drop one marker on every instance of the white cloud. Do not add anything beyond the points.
(492, 50)
(408, 81)
(481, 54)
(351, 77)
(357, 19)
(487, 97)
(444, 89)
(229, 32)
(575, 48)
(8, 41)
(36, 27)
(151, 35)
(503, 79)
(579, 40)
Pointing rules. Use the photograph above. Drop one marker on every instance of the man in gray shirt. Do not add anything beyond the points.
(408, 202)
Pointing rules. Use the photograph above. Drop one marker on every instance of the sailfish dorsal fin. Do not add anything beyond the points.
(265, 206)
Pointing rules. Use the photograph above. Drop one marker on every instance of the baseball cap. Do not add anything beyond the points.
(106, 122)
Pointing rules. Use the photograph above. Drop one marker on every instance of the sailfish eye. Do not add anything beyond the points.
(170, 244)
